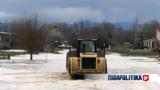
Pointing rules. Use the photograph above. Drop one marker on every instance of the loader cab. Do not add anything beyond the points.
(84, 46)
(85, 59)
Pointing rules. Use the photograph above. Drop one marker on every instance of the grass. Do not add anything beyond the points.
(55, 50)
(134, 52)
(3, 53)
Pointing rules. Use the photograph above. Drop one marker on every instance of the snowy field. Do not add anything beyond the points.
(48, 72)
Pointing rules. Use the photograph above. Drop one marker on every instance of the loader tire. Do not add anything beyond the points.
(106, 67)
(76, 77)
(73, 77)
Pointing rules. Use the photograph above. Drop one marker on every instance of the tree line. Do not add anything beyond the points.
(109, 33)
(32, 34)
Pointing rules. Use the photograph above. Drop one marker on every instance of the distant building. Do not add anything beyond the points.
(5, 40)
(65, 45)
(153, 42)
(150, 43)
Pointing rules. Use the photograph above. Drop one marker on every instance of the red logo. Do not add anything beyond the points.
(145, 78)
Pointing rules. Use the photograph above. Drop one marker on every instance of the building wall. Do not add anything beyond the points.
(158, 34)
(152, 43)
(4, 41)
(149, 43)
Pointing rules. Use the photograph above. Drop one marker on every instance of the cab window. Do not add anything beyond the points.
(87, 46)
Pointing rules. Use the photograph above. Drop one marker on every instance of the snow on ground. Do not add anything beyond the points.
(14, 50)
(48, 72)
(131, 64)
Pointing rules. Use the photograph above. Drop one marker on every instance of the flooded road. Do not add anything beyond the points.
(49, 73)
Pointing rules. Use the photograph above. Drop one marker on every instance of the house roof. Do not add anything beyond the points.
(152, 39)
(5, 32)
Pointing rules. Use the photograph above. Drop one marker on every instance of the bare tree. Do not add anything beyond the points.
(28, 34)
(149, 29)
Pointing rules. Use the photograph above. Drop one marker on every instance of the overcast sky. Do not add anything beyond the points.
(74, 10)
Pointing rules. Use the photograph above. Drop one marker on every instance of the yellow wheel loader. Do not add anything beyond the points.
(86, 59)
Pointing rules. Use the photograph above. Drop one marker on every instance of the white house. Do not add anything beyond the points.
(153, 42)
(5, 40)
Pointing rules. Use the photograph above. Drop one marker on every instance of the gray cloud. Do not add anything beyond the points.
(72, 10)
(4, 16)
(72, 14)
